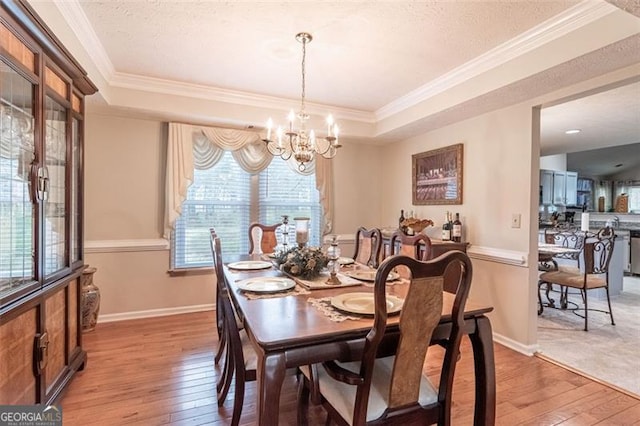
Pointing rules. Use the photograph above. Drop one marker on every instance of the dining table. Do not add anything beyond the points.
(289, 329)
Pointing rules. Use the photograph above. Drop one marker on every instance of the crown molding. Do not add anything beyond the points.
(573, 18)
(77, 20)
(79, 23)
(564, 23)
(190, 90)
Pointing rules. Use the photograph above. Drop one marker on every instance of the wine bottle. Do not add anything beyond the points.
(446, 231)
(457, 229)
(400, 225)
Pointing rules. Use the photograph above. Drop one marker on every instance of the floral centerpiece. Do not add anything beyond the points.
(304, 262)
(417, 225)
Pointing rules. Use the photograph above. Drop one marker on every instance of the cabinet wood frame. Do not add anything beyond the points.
(62, 284)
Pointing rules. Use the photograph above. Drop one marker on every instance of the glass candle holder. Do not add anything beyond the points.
(333, 254)
(284, 229)
(302, 231)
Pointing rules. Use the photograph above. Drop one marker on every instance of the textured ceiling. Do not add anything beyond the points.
(363, 56)
(379, 65)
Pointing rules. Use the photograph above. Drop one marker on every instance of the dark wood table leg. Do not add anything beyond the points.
(271, 372)
(485, 369)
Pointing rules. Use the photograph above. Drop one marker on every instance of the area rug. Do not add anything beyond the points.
(608, 353)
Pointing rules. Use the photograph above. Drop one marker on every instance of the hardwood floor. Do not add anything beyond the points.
(160, 371)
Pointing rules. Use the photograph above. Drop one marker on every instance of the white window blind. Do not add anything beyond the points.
(283, 191)
(227, 198)
(220, 198)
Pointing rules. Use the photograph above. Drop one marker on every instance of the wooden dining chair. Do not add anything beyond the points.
(219, 312)
(594, 274)
(393, 389)
(262, 238)
(415, 246)
(368, 245)
(241, 358)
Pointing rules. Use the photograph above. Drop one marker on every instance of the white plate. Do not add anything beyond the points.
(345, 260)
(362, 303)
(369, 275)
(250, 265)
(266, 284)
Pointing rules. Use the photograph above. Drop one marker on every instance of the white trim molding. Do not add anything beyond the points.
(528, 350)
(564, 23)
(490, 254)
(151, 313)
(113, 246)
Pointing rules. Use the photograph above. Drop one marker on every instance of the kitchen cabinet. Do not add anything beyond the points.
(42, 90)
(559, 188)
(571, 188)
(546, 187)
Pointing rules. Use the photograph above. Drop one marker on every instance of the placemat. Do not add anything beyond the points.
(320, 282)
(324, 305)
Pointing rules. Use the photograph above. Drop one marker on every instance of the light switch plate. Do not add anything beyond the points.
(515, 220)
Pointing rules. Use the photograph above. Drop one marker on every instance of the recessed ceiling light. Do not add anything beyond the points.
(573, 131)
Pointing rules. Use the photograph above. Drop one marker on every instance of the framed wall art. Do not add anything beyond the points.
(437, 176)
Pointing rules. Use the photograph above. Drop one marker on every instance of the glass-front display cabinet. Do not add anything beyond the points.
(42, 94)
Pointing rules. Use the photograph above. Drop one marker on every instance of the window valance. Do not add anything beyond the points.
(192, 147)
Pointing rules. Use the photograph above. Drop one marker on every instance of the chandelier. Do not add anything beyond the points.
(301, 143)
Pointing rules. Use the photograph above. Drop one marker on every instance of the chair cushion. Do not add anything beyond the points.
(572, 279)
(342, 396)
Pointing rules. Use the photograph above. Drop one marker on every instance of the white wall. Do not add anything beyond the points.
(497, 171)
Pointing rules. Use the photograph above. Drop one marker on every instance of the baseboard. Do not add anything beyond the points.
(155, 313)
(529, 350)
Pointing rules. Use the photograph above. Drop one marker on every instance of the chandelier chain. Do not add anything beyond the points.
(304, 85)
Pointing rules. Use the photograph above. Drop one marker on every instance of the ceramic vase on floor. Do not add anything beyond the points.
(90, 300)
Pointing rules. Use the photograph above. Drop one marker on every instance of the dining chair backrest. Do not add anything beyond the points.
(415, 246)
(368, 245)
(569, 238)
(421, 313)
(262, 238)
(598, 250)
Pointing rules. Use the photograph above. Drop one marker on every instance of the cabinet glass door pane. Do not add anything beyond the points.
(75, 185)
(17, 267)
(54, 206)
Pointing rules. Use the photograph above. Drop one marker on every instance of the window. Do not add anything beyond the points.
(634, 199)
(228, 199)
(283, 191)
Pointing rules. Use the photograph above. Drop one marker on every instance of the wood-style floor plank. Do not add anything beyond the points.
(160, 371)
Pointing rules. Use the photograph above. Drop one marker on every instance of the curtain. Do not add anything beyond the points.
(201, 147)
